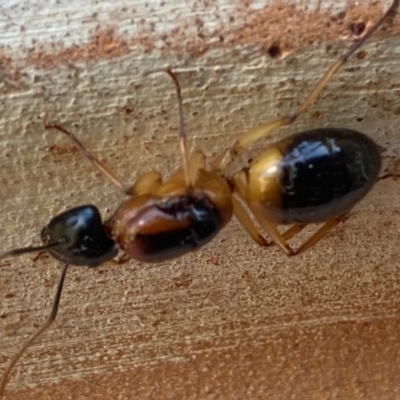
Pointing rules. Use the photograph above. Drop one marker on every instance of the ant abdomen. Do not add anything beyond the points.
(172, 221)
(80, 237)
(313, 176)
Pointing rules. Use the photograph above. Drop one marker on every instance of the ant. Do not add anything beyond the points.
(314, 176)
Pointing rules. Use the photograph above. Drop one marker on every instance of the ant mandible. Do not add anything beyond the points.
(309, 177)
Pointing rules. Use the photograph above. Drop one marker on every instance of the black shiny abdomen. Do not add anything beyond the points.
(325, 173)
(81, 236)
(197, 222)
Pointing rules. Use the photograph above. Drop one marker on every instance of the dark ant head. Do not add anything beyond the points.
(80, 237)
(75, 237)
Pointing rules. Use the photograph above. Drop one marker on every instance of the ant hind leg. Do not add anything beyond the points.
(223, 160)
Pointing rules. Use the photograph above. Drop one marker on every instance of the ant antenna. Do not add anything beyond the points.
(98, 164)
(39, 332)
(30, 249)
(182, 135)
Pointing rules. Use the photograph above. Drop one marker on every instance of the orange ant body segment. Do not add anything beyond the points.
(169, 221)
(314, 176)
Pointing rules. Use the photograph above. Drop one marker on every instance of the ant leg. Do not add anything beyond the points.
(196, 163)
(321, 232)
(148, 182)
(281, 238)
(123, 259)
(39, 255)
(32, 339)
(270, 227)
(242, 216)
(244, 219)
(240, 188)
(223, 160)
(293, 231)
(97, 163)
(119, 261)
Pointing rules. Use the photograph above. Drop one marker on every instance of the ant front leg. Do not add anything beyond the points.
(97, 163)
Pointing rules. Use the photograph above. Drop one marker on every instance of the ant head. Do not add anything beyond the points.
(80, 237)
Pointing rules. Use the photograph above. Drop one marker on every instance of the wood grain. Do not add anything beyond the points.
(231, 321)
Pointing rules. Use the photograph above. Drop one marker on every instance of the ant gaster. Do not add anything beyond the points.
(309, 177)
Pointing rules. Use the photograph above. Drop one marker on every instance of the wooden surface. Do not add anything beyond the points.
(231, 321)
